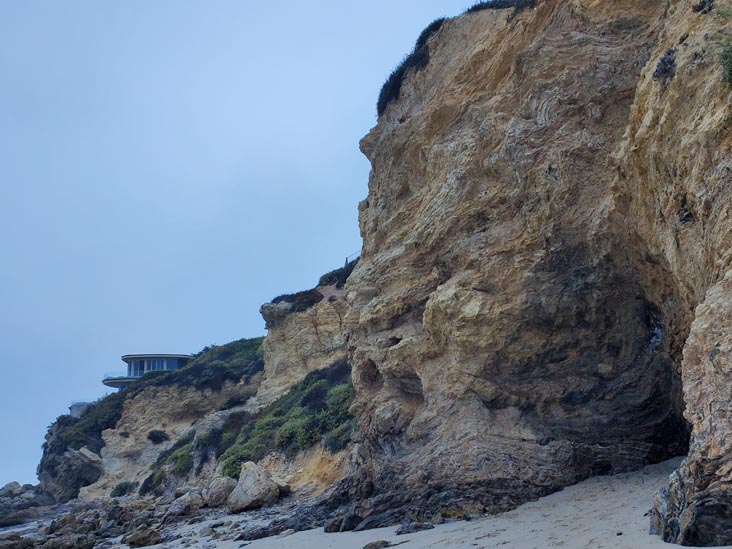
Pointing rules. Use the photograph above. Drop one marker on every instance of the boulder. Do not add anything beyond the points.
(143, 536)
(14, 541)
(10, 489)
(254, 489)
(378, 544)
(219, 491)
(62, 476)
(70, 541)
(333, 525)
(409, 527)
(188, 503)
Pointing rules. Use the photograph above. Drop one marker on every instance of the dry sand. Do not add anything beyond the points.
(602, 512)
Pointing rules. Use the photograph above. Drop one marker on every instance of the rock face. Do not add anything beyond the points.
(299, 342)
(68, 473)
(254, 489)
(19, 504)
(543, 217)
(219, 491)
(673, 189)
(128, 453)
(142, 537)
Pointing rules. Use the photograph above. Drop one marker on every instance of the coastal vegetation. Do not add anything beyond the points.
(210, 369)
(123, 489)
(314, 410)
(416, 60)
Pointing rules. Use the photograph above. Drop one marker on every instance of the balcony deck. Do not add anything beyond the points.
(118, 381)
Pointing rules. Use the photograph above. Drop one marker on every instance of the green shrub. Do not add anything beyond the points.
(231, 429)
(301, 301)
(184, 441)
(418, 59)
(338, 438)
(338, 277)
(123, 489)
(152, 482)
(157, 437)
(214, 366)
(210, 440)
(314, 409)
(517, 5)
(182, 461)
(704, 6)
(178, 459)
(87, 430)
(727, 63)
(314, 396)
(338, 402)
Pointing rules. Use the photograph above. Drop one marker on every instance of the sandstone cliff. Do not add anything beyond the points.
(543, 223)
(190, 427)
(305, 338)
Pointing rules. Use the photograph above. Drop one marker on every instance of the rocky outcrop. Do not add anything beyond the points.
(511, 328)
(254, 489)
(219, 490)
(64, 475)
(143, 536)
(673, 190)
(129, 455)
(19, 504)
(145, 436)
(300, 341)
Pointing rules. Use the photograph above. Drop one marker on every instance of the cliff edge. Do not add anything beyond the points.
(544, 269)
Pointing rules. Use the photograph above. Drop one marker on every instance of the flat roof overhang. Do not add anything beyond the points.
(132, 357)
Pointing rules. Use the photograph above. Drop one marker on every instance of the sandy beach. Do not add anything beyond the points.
(602, 512)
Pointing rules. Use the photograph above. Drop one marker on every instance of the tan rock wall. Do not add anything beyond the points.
(128, 455)
(300, 342)
(510, 329)
(675, 191)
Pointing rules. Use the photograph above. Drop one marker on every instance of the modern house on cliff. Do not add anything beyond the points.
(139, 365)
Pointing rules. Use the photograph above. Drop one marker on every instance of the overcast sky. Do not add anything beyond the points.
(165, 168)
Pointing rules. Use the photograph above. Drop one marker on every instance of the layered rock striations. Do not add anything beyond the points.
(301, 341)
(674, 191)
(543, 217)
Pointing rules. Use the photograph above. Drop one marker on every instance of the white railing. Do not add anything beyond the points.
(108, 375)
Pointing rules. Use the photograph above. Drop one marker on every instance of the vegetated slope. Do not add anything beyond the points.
(171, 428)
(544, 216)
(313, 412)
(304, 333)
(214, 377)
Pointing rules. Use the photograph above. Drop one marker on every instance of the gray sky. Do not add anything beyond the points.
(165, 168)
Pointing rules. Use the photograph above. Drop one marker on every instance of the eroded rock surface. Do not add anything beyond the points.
(255, 489)
(512, 327)
(299, 342)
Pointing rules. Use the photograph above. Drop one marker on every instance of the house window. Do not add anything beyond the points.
(138, 368)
